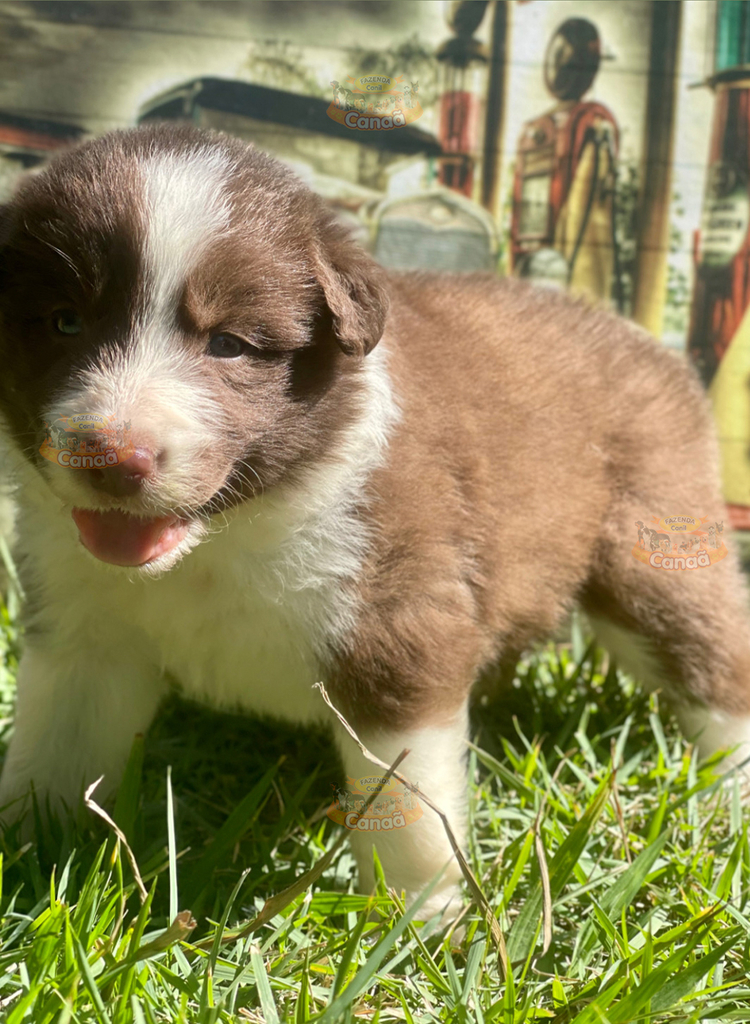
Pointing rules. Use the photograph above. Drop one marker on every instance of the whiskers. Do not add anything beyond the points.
(243, 478)
(207, 519)
(214, 515)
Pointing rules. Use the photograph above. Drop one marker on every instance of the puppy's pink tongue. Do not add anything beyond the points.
(121, 539)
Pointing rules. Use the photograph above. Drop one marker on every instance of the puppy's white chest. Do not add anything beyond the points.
(248, 628)
(234, 648)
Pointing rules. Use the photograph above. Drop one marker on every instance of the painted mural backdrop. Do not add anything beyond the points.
(596, 146)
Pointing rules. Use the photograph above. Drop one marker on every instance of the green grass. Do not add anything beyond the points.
(575, 779)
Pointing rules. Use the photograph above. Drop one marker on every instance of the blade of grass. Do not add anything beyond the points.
(265, 994)
(172, 850)
(522, 937)
(677, 988)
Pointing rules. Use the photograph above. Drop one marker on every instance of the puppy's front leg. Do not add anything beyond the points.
(413, 854)
(78, 709)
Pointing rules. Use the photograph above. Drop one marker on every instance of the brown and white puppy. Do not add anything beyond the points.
(332, 474)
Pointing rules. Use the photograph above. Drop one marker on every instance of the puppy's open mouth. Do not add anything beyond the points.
(123, 539)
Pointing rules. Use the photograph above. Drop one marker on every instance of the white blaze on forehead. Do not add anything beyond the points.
(187, 206)
(152, 384)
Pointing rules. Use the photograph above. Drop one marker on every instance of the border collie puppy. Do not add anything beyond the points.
(328, 473)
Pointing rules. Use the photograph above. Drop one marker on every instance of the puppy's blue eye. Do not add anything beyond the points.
(227, 346)
(67, 321)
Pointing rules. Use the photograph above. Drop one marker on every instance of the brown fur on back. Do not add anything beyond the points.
(530, 422)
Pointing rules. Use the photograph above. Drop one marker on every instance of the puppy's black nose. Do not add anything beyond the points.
(124, 478)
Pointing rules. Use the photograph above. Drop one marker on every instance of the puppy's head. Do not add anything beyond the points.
(186, 297)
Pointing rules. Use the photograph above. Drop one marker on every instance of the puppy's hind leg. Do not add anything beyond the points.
(684, 631)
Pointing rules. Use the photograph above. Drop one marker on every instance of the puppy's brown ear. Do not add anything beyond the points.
(355, 292)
